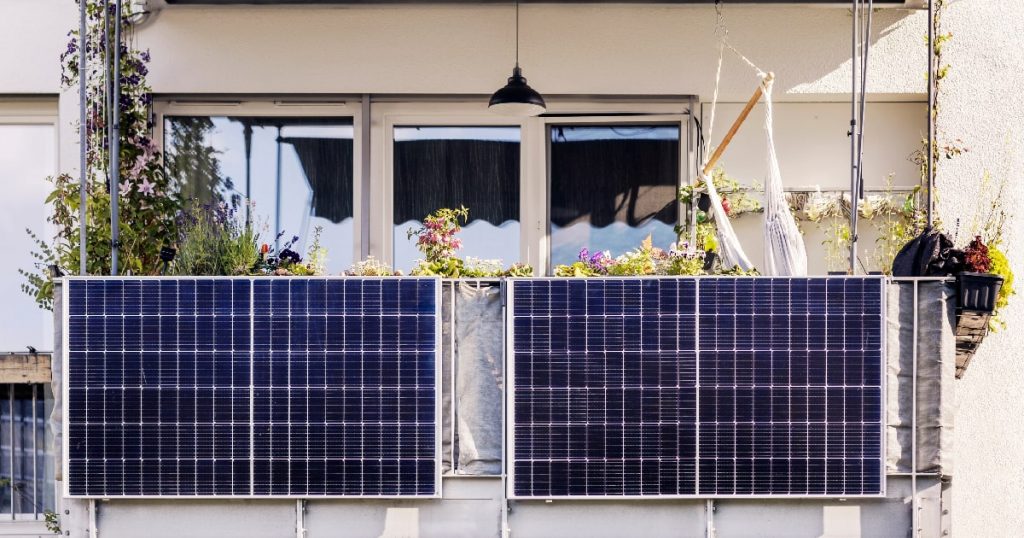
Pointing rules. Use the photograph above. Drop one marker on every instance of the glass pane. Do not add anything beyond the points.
(296, 171)
(27, 159)
(477, 167)
(27, 488)
(612, 186)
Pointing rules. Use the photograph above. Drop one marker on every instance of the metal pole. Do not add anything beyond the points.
(115, 143)
(10, 409)
(247, 131)
(35, 453)
(914, 516)
(929, 159)
(853, 135)
(83, 139)
(277, 196)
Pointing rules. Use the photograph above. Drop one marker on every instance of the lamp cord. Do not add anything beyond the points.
(517, 34)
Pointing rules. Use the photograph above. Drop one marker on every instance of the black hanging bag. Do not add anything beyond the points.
(928, 254)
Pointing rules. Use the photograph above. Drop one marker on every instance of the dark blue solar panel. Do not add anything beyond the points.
(711, 386)
(252, 387)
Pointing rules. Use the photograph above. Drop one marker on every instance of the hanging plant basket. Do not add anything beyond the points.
(978, 292)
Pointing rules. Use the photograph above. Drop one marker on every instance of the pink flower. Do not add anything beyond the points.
(146, 187)
(125, 189)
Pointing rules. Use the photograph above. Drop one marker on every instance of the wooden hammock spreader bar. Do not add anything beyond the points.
(736, 126)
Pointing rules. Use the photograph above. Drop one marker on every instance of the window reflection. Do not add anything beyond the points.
(297, 172)
(612, 186)
(478, 167)
(26, 160)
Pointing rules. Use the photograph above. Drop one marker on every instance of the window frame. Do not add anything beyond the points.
(32, 111)
(375, 117)
(534, 180)
(686, 164)
(345, 108)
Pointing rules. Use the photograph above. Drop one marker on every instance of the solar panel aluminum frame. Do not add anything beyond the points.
(65, 391)
(509, 430)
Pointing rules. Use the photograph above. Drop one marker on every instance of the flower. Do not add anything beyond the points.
(146, 187)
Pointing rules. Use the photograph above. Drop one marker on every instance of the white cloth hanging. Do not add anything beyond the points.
(729, 248)
(784, 250)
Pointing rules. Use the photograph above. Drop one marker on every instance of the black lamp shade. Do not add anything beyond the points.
(517, 98)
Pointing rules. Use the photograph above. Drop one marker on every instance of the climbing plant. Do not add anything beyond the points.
(148, 203)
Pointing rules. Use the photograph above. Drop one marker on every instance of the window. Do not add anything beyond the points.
(296, 171)
(476, 167)
(27, 159)
(26, 463)
(611, 186)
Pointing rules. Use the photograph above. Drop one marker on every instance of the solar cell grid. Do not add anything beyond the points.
(688, 387)
(252, 387)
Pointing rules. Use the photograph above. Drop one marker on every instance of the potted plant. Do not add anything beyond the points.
(979, 288)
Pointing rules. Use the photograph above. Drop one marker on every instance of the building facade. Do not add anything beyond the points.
(373, 80)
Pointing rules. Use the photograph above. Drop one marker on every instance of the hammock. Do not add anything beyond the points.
(785, 254)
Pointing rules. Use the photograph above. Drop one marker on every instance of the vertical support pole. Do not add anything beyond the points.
(365, 178)
(93, 519)
(14, 447)
(35, 454)
(83, 139)
(277, 196)
(914, 515)
(454, 399)
(930, 158)
(247, 132)
(855, 33)
(115, 143)
(300, 518)
(709, 519)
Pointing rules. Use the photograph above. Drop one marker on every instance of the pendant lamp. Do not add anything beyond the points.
(517, 98)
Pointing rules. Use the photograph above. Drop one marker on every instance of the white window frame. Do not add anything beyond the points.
(342, 108)
(534, 187)
(32, 112)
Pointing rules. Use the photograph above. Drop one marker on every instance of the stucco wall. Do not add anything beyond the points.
(982, 107)
(581, 49)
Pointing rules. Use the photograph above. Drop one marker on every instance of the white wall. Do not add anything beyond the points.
(982, 106)
(565, 49)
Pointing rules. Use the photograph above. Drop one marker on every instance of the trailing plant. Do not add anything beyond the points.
(1000, 266)
(736, 199)
(147, 204)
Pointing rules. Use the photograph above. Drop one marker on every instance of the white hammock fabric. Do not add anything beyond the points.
(784, 253)
(784, 250)
(729, 247)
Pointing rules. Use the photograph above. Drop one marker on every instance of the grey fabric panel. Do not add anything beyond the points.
(479, 378)
(55, 425)
(447, 351)
(936, 363)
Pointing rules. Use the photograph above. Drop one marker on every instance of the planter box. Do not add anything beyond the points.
(978, 291)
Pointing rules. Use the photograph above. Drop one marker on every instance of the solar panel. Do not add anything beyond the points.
(196, 387)
(675, 387)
